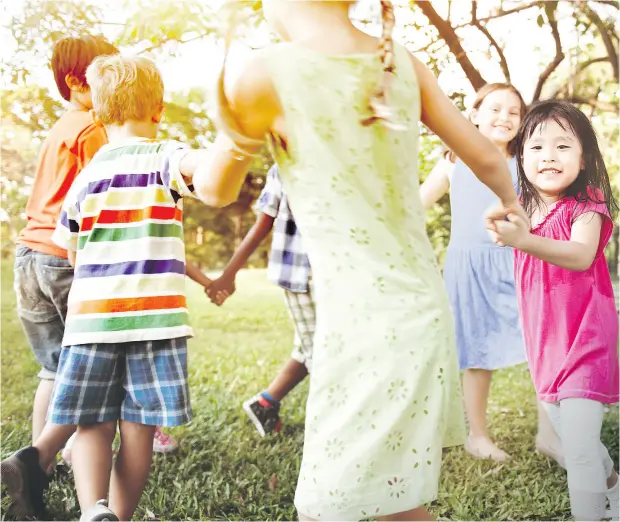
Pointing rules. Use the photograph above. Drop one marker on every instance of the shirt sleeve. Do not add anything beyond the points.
(270, 198)
(595, 202)
(88, 143)
(67, 230)
(171, 172)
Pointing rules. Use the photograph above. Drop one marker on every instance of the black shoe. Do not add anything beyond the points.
(264, 414)
(25, 482)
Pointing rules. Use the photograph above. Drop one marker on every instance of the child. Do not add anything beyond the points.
(124, 357)
(342, 120)
(479, 276)
(290, 269)
(162, 442)
(42, 274)
(565, 293)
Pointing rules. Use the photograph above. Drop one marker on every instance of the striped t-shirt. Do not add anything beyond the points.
(124, 217)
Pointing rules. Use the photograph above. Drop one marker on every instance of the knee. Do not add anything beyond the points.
(103, 429)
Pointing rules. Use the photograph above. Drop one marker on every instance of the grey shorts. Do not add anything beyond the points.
(42, 283)
(301, 308)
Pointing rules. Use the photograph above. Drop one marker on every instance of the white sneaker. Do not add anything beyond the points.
(100, 511)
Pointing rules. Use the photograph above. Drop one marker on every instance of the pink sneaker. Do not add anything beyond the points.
(163, 443)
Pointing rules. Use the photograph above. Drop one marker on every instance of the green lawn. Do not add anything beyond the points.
(225, 471)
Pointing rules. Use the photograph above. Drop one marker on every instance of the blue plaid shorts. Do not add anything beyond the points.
(143, 382)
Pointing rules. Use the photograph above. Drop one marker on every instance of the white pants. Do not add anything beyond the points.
(578, 424)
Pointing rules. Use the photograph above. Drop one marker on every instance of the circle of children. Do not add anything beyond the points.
(100, 271)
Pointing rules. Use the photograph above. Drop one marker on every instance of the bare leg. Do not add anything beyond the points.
(92, 462)
(52, 439)
(476, 385)
(131, 469)
(420, 513)
(41, 404)
(290, 376)
(547, 440)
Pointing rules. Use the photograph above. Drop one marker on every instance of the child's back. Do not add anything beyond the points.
(129, 280)
(354, 192)
(69, 146)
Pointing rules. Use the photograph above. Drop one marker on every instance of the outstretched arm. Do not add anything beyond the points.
(256, 235)
(437, 183)
(576, 254)
(195, 274)
(252, 107)
(462, 137)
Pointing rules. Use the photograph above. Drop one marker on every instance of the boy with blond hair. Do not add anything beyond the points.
(124, 356)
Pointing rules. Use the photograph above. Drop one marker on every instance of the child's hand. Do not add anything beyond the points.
(500, 212)
(221, 289)
(513, 232)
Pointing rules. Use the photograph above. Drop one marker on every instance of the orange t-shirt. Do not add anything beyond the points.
(72, 142)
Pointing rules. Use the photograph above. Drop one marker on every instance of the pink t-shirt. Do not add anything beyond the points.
(570, 323)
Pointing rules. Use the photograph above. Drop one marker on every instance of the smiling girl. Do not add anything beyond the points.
(565, 293)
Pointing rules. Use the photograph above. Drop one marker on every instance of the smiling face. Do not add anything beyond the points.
(552, 158)
(498, 116)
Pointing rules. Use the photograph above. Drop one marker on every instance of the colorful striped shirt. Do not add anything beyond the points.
(124, 218)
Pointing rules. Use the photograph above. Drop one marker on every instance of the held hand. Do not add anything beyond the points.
(513, 232)
(500, 212)
(220, 289)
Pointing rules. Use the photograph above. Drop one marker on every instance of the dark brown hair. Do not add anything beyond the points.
(592, 183)
(73, 56)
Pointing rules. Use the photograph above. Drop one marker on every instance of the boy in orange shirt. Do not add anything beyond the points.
(42, 273)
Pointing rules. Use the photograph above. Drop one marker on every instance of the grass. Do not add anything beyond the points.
(225, 471)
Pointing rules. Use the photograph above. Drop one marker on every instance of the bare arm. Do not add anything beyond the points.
(437, 183)
(461, 136)
(576, 254)
(226, 282)
(253, 106)
(195, 274)
(250, 243)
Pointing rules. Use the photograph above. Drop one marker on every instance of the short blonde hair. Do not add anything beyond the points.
(125, 88)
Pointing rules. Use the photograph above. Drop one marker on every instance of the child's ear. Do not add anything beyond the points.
(159, 114)
(74, 83)
(473, 117)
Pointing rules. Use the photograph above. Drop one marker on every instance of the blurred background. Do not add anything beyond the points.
(564, 49)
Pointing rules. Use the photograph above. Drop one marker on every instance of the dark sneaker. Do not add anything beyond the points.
(25, 482)
(100, 511)
(264, 414)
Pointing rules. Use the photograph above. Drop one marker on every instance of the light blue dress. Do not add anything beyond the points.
(479, 278)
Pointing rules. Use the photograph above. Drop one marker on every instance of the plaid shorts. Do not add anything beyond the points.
(143, 382)
(301, 308)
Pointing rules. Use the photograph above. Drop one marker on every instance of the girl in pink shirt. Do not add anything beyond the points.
(565, 294)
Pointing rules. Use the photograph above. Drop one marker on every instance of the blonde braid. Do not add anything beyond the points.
(379, 107)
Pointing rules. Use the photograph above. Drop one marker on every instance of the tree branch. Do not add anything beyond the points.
(582, 66)
(550, 8)
(502, 13)
(612, 53)
(166, 40)
(446, 31)
(500, 52)
(597, 104)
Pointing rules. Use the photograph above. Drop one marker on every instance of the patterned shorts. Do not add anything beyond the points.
(143, 382)
(301, 308)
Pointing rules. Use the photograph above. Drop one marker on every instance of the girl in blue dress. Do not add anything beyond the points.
(479, 275)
